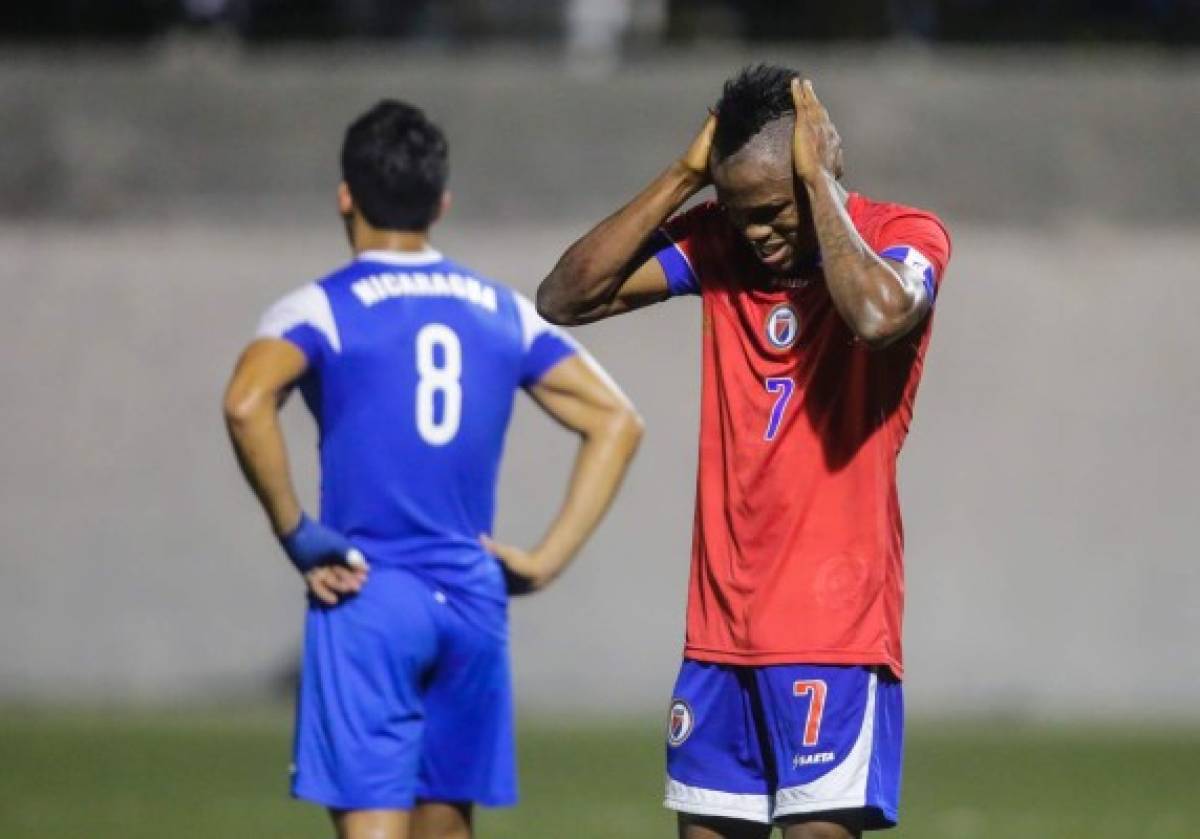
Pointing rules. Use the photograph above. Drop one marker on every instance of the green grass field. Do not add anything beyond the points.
(203, 774)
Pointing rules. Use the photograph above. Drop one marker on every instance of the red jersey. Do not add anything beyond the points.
(797, 552)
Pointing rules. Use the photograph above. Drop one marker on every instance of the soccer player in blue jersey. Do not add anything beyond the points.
(409, 363)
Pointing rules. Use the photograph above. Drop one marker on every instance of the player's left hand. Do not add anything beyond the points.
(816, 144)
(523, 570)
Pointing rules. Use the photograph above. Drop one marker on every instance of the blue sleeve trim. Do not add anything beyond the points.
(309, 340)
(914, 258)
(681, 279)
(546, 351)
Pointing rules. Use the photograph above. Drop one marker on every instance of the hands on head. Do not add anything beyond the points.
(695, 159)
(816, 144)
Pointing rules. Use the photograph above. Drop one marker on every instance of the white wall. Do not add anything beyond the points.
(1050, 482)
(151, 207)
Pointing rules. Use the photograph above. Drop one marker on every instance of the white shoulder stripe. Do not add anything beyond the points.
(309, 306)
(533, 324)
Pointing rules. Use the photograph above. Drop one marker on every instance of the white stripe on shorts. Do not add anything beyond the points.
(843, 787)
(710, 802)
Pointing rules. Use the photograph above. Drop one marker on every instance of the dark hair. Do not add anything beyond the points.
(394, 160)
(757, 95)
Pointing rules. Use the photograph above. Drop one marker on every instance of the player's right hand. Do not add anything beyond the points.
(331, 565)
(330, 583)
(695, 159)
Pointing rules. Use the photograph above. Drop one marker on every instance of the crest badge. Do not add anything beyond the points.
(680, 724)
(783, 326)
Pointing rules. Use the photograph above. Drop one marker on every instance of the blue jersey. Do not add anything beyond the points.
(413, 363)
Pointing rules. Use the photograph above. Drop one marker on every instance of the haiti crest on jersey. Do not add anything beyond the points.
(783, 326)
(680, 724)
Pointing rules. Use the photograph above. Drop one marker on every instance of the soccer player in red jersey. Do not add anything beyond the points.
(817, 307)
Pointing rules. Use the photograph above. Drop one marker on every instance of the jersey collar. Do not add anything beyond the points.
(425, 256)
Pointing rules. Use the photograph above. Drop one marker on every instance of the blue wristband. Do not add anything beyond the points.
(311, 544)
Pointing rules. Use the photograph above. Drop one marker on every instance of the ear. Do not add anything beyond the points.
(444, 205)
(345, 200)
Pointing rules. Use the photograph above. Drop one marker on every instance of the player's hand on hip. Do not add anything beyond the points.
(524, 572)
(330, 583)
(331, 565)
(695, 159)
(816, 144)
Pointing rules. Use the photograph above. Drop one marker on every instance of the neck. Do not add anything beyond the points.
(363, 237)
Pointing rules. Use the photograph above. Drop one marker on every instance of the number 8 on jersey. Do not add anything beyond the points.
(444, 379)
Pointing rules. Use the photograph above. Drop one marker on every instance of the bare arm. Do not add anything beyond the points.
(261, 380)
(582, 399)
(607, 272)
(880, 300)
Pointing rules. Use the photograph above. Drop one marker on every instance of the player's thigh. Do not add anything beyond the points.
(442, 820)
(469, 753)
(371, 824)
(360, 720)
(714, 827)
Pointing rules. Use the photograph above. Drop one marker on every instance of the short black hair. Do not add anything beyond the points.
(395, 162)
(757, 95)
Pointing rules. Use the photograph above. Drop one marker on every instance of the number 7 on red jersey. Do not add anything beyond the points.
(785, 387)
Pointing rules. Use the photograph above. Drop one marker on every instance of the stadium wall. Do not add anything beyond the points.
(152, 208)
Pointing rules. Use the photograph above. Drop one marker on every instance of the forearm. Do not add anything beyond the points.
(591, 272)
(262, 454)
(603, 459)
(871, 298)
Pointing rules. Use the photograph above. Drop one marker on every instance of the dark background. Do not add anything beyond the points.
(1174, 22)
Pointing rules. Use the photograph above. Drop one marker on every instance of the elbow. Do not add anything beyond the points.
(552, 303)
(877, 334)
(878, 327)
(635, 426)
(567, 296)
(619, 429)
(629, 428)
(241, 406)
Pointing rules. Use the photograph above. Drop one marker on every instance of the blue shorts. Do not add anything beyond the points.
(405, 696)
(765, 743)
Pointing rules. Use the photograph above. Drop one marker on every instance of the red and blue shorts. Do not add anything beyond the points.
(765, 744)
